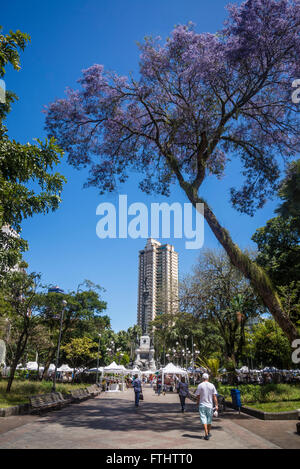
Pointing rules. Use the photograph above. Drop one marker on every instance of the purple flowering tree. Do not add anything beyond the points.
(199, 100)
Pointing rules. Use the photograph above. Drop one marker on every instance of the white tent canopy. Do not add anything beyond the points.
(117, 369)
(65, 368)
(31, 366)
(114, 368)
(173, 369)
(148, 372)
(134, 371)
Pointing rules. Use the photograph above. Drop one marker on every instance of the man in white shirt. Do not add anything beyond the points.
(206, 398)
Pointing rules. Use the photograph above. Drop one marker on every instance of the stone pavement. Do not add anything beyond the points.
(110, 421)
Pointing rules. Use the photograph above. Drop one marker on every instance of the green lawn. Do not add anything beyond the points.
(267, 393)
(276, 406)
(267, 398)
(21, 390)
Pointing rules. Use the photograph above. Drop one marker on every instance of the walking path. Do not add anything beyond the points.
(111, 421)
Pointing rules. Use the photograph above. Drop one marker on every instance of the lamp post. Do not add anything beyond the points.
(58, 345)
(185, 338)
(112, 344)
(119, 355)
(189, 356)
(193, 362)
(197, 352)
(98, 358)
(177, 354)
(251, 357)
(173, 355)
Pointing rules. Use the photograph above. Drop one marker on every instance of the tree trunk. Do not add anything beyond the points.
(49, 360)
(19, 352)
(253, 272)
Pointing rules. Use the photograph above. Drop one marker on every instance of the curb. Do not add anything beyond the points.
(21, 409)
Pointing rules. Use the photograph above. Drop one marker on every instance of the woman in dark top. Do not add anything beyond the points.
(158, 385)
(183, 390)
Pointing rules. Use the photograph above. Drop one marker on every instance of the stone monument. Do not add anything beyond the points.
(144, 354)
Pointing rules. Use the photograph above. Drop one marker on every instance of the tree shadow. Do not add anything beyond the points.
(115, 414)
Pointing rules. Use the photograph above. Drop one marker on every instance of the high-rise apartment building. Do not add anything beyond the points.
(158, 282)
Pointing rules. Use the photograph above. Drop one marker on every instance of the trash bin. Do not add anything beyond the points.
(236, 398)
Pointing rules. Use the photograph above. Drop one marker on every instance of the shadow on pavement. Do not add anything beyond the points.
(108, 414)
(232, 414)
(197, 437)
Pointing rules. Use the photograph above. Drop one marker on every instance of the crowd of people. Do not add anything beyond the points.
(265, 376)
(108, 383)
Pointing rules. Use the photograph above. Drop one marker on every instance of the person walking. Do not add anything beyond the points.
(159, 385)
(206, 398)
(137, 386)
(183, 391)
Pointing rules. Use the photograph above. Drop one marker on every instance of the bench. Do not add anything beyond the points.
(64, 400)
(81, 394)
(94, 390)
(42, 402)
(221, 403)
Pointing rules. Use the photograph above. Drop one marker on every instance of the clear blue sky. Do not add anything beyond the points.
(66, 37)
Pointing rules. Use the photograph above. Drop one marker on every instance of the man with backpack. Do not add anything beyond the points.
(137, 386)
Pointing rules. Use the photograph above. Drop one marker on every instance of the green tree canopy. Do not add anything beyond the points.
(16, 304)
(289, 192)
(218, 293)
(279, 249)
(82, 314)
(28, 181)
(270, 346)
(80, 351)
(278, 244)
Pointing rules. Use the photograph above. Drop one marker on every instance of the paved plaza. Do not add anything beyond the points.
(110, 421)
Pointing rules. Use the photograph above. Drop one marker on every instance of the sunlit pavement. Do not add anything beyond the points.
(111, 421)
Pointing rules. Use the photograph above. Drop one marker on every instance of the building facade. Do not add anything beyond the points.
(157, 282)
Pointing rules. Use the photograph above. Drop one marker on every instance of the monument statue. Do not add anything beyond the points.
(144, 354)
